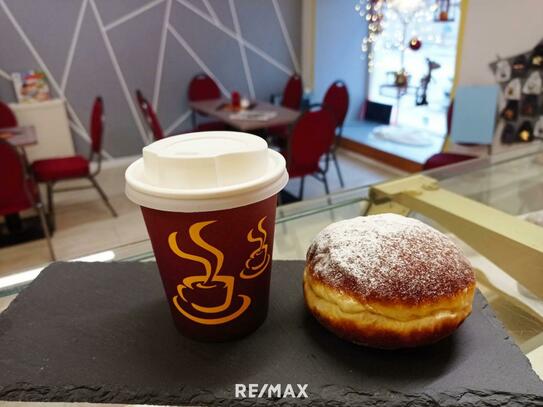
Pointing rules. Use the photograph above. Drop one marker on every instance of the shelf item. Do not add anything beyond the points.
(31, 86)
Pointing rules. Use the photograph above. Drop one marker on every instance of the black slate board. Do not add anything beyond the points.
(101, 332)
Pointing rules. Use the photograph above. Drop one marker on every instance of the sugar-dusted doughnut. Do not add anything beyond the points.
(387, 281)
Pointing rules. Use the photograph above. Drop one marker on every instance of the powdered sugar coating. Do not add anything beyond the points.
(389, 258)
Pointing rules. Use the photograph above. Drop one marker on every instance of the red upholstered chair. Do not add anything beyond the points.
(149, 116)
(7, 117)
(53, 170)
(292, 99)
(311, 139)
(293, 92)
(202, 87)
(336, 100)
(18, 190)
(443, 159)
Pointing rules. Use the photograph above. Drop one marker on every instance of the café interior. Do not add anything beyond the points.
(363, 98)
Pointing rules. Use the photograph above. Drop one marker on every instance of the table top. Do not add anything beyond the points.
(19, 136)
(216, 108)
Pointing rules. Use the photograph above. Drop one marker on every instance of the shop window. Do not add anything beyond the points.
(411, 41)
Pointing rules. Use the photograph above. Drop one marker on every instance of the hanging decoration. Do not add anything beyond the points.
(443, 10)
(415, 44)
(421, 96)
(401, 78)
(413, 17)
(536, 58)
(372, 12)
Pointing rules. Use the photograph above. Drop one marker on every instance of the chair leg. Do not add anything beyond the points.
(50, 205)
(325, 182)
(45, 227)
(336, 163)
(193, 120)
(103, 196)
(301, 194)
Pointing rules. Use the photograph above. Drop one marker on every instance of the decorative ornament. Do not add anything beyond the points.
(538, 129)
(508, 134)
(511, 110)
(519, 66)
(409, 13)
(536, 59)
(529, 106)
(401, 78)
(533, 84)
(443, 10)
(415, 44)
(372, 12)
(525, 132)
(503, 70)
(513, 89)
(421, 96)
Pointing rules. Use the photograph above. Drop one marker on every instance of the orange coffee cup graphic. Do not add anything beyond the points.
(206, 296)
(222, 286)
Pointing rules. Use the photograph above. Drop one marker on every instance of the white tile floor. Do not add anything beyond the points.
(85, 226)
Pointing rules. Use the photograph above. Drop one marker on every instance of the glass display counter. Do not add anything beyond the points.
(511, 182)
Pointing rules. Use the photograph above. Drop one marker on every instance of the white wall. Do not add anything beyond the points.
(339, 31)
(496, 27)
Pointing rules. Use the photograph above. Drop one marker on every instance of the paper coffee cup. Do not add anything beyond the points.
(209, 200)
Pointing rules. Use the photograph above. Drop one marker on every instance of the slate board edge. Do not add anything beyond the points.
(336, 396)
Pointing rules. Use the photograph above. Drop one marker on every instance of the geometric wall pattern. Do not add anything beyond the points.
(112, 47)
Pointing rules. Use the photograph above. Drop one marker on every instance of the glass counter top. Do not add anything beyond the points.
(511, 182)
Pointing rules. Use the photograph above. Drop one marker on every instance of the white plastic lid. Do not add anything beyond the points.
(205, 171)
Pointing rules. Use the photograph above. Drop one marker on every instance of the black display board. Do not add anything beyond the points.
(102, 332)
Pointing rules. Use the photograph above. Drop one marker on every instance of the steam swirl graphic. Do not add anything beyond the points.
(251, 269)
(194, 233)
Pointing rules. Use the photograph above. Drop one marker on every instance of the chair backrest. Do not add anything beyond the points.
(7, 117)
(202, 87)
(336, 99)
(444, 159)
(13, 188)
(149, 116)
(97, 126)
(311, 138)
(377, 112)
(293, 92)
